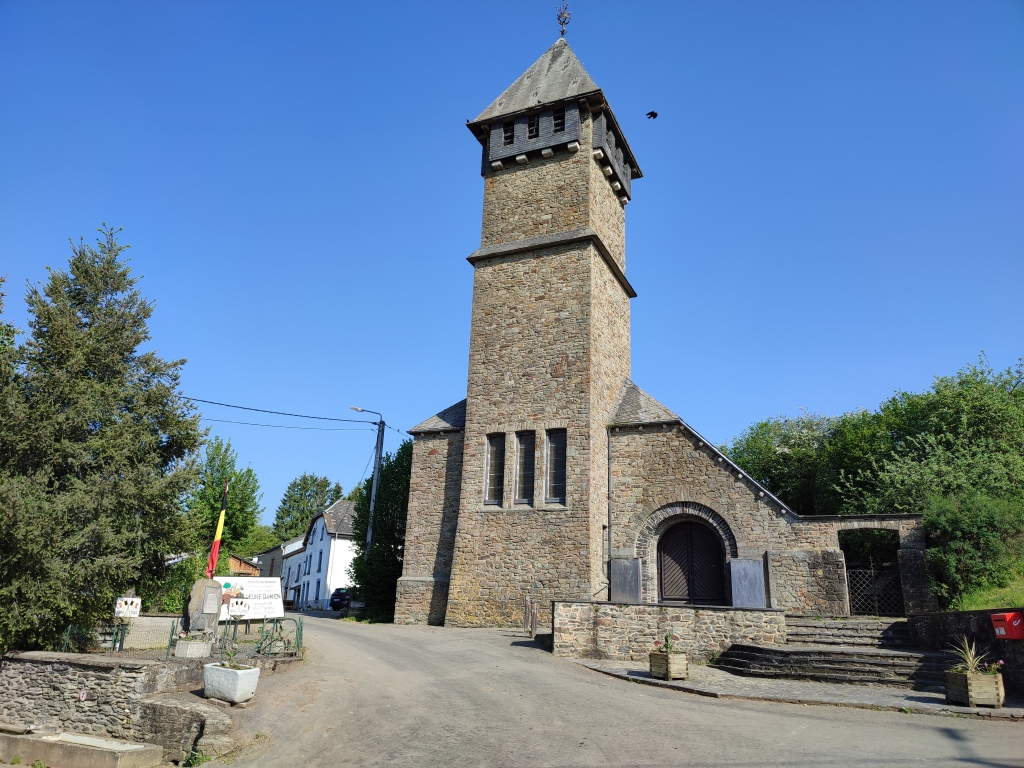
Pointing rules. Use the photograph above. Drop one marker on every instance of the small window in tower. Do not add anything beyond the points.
(559, 120)
(556, 466)
(509, 133)
(533, 127)
(525, 458)
(495, 469)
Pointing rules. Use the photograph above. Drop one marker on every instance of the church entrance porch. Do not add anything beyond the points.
(691, 565)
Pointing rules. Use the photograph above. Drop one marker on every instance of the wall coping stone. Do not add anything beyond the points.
(82, 659)
(675, 606)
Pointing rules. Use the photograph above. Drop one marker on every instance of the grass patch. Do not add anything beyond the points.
(1010, 596)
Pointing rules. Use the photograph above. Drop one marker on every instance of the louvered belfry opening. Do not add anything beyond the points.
(691, 565)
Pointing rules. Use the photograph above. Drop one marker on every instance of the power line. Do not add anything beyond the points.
(281, 413)
(285, 426)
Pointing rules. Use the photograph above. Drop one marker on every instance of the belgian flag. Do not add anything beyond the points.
(211, 565)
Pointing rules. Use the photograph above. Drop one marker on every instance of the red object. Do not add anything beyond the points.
(1008, 626)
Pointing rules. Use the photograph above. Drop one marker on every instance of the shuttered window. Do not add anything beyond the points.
(525, 460)
(495, 469)
(556, 466)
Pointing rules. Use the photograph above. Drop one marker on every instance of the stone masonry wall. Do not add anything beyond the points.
(592, 630)
(44, 689)
(809, 581)
(938, 631)
(434, 488)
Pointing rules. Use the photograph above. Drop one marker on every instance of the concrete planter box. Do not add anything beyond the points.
(234, 685)
(669, 666)
(193, 649)
(975, 690)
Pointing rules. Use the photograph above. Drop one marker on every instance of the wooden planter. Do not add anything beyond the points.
(975, 690)
(669, 666)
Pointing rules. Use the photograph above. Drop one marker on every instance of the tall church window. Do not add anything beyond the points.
(495, 469)
(508, 133)
(533, 127)
(559, 120)
(525, 460)
(556, 466)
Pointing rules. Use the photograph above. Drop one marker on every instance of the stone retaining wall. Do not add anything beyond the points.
(628, 632)
(121, 697)
(809, 581)
(938, 631)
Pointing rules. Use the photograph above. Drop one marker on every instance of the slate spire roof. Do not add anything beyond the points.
(556, 76)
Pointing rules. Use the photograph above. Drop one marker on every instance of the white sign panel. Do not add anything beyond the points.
(127, 607)
(260, 598)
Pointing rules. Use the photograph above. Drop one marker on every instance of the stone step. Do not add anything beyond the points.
(841, 664)
(848, 631)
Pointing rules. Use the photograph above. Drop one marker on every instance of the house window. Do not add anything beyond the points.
(556, 466)
(271, 566)
(525, 459)
(320, 561)
(508, 132)
(558, 119)
(288, 578)
(316, 597)
(324, 528)
(533, 127)
(495, 469)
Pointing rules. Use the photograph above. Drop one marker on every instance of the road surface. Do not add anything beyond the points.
(383, 695)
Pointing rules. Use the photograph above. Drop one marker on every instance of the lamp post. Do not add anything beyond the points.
(376, 473)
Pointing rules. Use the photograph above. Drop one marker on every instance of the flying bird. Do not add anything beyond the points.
(652, 115)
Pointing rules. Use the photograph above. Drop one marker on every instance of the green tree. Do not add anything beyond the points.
(96, 451)
(377, 575)
(241, 518)
(305, 496)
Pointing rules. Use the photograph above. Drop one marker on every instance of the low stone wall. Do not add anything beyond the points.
(122, 698)
(938, 631)
(809, 581)
(628, 632)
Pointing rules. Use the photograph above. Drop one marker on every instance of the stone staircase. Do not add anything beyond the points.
(847, 650)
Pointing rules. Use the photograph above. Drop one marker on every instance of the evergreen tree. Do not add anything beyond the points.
(242, 531)
(305, 496)
(377, 574)
(96, 451)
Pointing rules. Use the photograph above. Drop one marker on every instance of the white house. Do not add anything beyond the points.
(321, 565)
(292, 553)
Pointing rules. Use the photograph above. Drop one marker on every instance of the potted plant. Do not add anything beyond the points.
(666, 663)
(230, 681)
(972, 681)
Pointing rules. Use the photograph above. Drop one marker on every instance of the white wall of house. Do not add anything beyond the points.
(325, 563)
(291, 574)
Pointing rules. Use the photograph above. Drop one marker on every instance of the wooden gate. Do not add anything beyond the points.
(691, 565)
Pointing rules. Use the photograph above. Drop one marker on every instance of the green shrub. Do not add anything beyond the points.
(974, 542)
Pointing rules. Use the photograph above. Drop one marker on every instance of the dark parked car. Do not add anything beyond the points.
(340, 599)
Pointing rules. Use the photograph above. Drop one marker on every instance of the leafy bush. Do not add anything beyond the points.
(975, 542)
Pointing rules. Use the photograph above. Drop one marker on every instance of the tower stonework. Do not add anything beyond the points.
(549, 350)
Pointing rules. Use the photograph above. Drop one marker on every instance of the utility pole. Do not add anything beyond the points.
(376, 473)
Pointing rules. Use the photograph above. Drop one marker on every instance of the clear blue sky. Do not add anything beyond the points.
(833, 206)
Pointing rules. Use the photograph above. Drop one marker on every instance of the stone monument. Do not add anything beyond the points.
(202, 609)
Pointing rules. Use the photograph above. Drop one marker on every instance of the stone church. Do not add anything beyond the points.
(558, 478)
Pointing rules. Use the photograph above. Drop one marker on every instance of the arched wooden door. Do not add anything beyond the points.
(691, 565)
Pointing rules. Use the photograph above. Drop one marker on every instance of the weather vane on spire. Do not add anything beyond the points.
(564, 14)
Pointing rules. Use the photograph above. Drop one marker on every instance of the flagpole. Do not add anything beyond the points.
(211, 565)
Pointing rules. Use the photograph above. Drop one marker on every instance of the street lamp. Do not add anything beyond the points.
(376, 472)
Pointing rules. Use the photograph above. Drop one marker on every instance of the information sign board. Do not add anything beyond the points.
(127, 607)
(260, 597)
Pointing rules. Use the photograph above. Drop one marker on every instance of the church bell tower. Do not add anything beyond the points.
(549, 353)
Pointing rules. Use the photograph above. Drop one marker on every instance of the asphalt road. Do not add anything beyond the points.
(373, 695)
